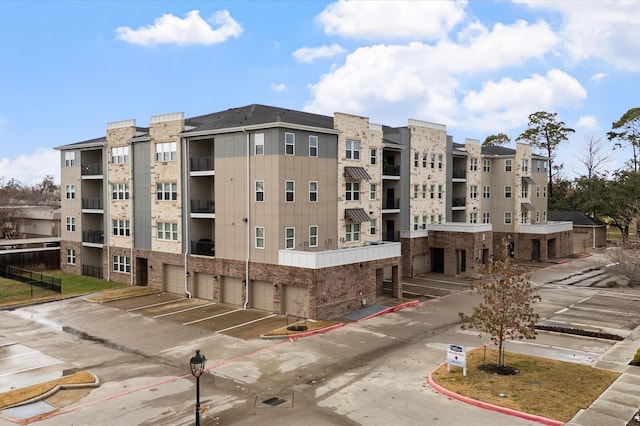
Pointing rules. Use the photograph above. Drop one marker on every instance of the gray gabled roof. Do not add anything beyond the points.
(578, 218)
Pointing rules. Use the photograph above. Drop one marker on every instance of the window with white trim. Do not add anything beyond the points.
(167, 191)
(473, 217)
(537, 192)
(473, 191)
(119, 155)
(424, 191)
(71, 223)
(432, 161)
(416, 159)
(289, 238)
(433, 218)
(424, 160)
(432, 192)
(313, 236)
(70, 191)
(289, 191)
(352, 232)
(313, 191)
(119, 191)
(121, 227)
(71, 256)
(122, 264)
(544, 215)
(439, 191)
(525, 165)
(507, 218)
(373, 227)
(259, 184)
(507, 191)
(440, 161)
(508, 165)
(416, 189)
(486, 165)
(353, 150)
(473, 164)
(373, 191)
(416, 222)
(166, 151)
(544, 191)
(537, 217)
(258, 142)
(313, 146)
(373, 156)
(486, 192)
(440, 219)
(352, 191)
(524, 217)
(525, 191)
(69, 159)
(486, 217)
(289, 143)
(167, 231)
(424, 222)
(260, 237)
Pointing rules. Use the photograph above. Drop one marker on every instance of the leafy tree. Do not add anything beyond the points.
(563, 195)
(545, 132)
(499, 139)
(594, 157)
(506, 310)
(627, 131)
(622, 202)
(590, 196)
(47, 185)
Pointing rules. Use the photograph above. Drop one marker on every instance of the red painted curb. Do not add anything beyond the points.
(296, 336)
(395, 308)
(492, 407)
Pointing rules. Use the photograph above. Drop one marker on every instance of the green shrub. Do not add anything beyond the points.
(636, 358)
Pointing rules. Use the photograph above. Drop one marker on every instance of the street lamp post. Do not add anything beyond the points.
(197, 368)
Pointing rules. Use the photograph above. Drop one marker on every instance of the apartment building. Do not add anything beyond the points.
(293, 212)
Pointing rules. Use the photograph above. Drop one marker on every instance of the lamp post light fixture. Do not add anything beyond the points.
(197, 368)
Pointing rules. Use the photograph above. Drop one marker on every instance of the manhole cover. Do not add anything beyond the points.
(271, 400)
(274, 401)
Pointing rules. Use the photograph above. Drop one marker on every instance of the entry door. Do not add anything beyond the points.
(391, 226)
(390, 201)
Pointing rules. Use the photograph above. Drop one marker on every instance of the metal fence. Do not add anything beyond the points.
(32, 278)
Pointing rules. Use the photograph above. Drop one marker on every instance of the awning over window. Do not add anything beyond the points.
(528, 206)
(357, 173)
(528, 180)
(356, 215)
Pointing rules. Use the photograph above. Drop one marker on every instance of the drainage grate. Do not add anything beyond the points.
(272, 401)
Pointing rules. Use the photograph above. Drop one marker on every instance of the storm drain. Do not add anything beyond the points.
(273, 401)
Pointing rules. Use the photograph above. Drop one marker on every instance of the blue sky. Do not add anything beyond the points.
(479, 67)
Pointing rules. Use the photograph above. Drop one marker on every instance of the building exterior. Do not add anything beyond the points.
(294, 212)
(588, 233)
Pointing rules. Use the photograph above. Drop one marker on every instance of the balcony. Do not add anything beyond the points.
(92, 204)
(203, 247)
(391, 236)
(93, 237)
(460, 174)
(92, 271)
(91, 169)
(201, 164)
(391, 204)
(390, 170)
(203, 206)
(458, 202)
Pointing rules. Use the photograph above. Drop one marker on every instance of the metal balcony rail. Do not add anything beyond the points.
(203, 247)
(92, 203)
(458, 202)
(201, 164)
(91, 169)
(96, 237)
(460, 174)
(391, 203)
(203, 206)
(389, 170)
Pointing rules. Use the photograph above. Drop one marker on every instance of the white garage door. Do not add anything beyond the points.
(173, 279)
(261, 295)
(204, 286)
(295, 301)
(231, 289)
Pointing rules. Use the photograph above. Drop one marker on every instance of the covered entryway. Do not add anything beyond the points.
(231, 289)
(203, 286)
(535, 249)
(294, 300)
(173, 279)
(437, 260)
(261, 295)
(551, 248)
(141, 271)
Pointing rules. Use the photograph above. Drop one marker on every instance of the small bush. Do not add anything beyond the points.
(612, 283)
(636, 358)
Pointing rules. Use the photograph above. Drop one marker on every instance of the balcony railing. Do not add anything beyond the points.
(389, 170)
(91, 169)
(458, 202)
(96, 237)
(201, 164)
(203, 247)
(460, 174)
(92, 203)
(391, 203)
(391, 236)
(92, 271)
(203, 206)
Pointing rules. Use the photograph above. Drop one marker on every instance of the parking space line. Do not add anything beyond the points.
(213, 316)
(185, 310)
(246, 323)
(152, 305)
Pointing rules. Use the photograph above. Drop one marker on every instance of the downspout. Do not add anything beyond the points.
(105, 219)
(248, 228)
(185, 210)
(132, 216)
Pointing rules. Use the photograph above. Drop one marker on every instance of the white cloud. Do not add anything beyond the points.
(588, 122)
(599, 76)
(278, 87)
(31, 168)
(309, 54)
(170, 29)
(392, 20)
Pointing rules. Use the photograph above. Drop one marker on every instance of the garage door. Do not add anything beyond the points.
(295, 301)
(204, 286)
(420, 264)
(261, 295)
(231, 289)
(173, 279)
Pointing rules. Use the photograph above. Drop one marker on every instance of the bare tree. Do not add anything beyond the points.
(626, 262)
(595, 157)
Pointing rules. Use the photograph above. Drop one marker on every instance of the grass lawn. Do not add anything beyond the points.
(15, 292)
(548, 388)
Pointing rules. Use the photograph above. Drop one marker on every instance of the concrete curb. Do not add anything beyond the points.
(395, 308)
(492, 407)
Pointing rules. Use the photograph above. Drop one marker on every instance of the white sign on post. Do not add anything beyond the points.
(457, 355)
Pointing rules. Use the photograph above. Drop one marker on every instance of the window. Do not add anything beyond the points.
(432, 161)
(524, 217)
(353, 150)
(71, 256)
(525, 165)
(507, 191)
(508, 165)
(260, 237)
(120, 227)
(424, 191)
(440, 218)
(69, 159)
(486, 166)
(416, 159)
(433, 219)
(525, 191)
(544, 191)
(439, 191)
(544, 215)
(119, 191)
(473, 191)
(313, 191)
(473, 164)
(432, 191)
(473, 217)
(258, 144)
(120, 155)
(289, 191)
(166, 151)
(424, 160)
(289, 143)
(416, 189)
(167, 191)
(507, 218)
(259, 190)
(313, 146)
(486, 217)
(289, 238)
(71, 223)
(373, 159)
(416, 223)
(424, 222)
(537, 217)
(352, 191)
(121, 264)
(313, 236)
(373, 227)
(537, 191)
(373, 191)
(538, 166)
(167, 231)
(352, 232)
(70, 191)
(440, 161)
(486, 192)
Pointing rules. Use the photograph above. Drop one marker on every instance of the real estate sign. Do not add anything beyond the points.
(457, 355)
